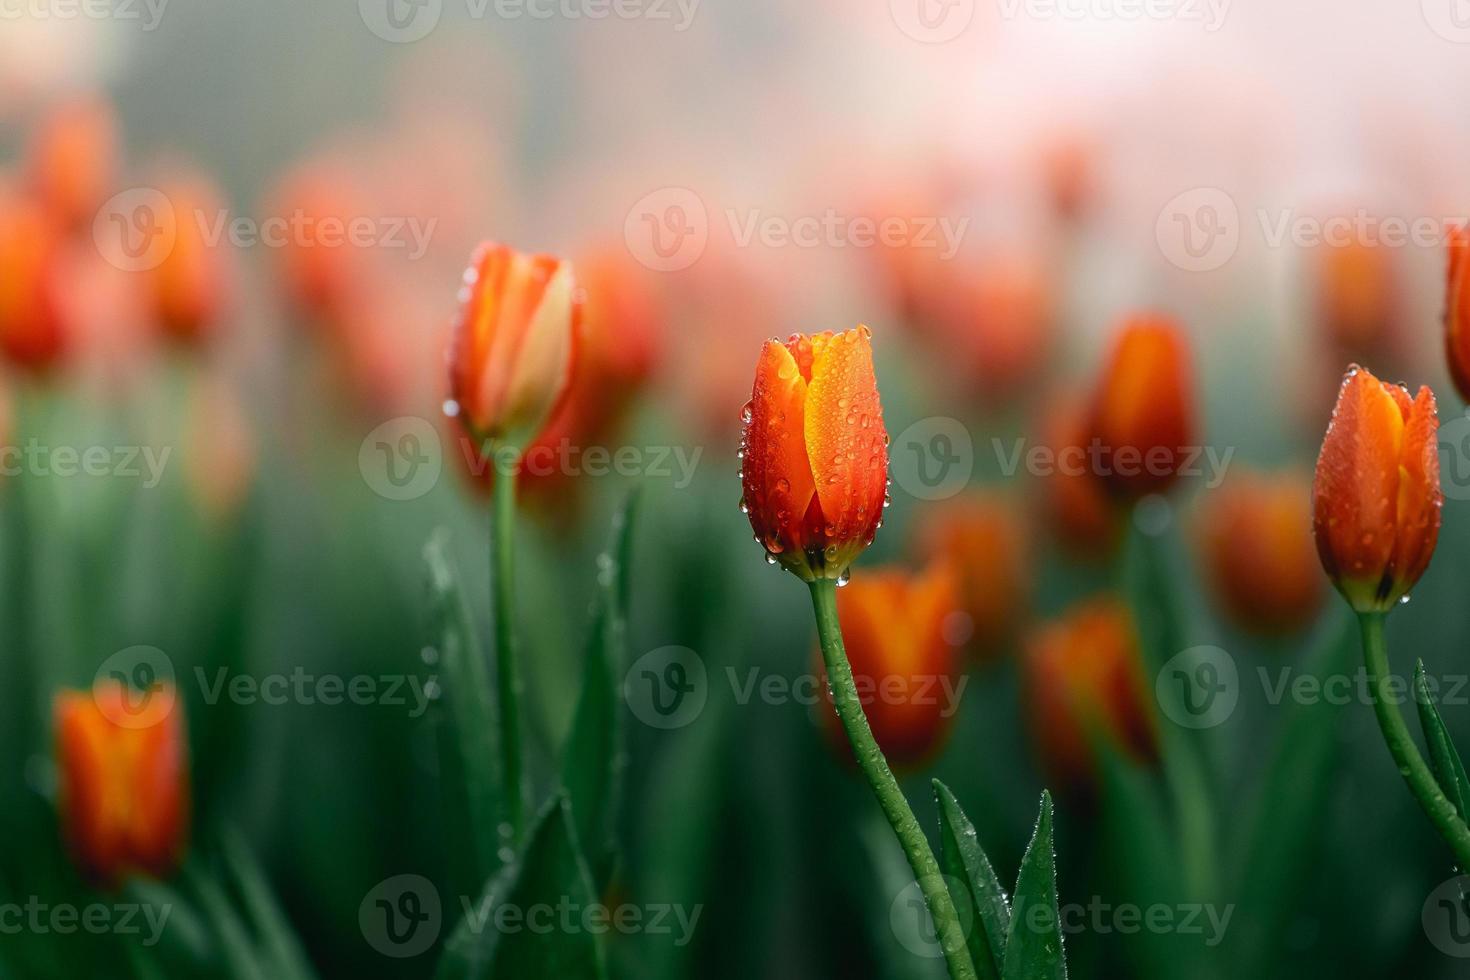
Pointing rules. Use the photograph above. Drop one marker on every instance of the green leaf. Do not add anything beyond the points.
(230, 932)
(593, 759)
(963, 860)
(551, 872)
(1034, 947)
(279, 944)
(1448, 768)
(472, 780)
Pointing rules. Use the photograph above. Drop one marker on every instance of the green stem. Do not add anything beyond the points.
(885, 787)
(1401, 745)
(507, 669)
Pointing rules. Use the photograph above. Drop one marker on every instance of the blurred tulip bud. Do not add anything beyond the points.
(1376, 497)
(189, 286)
(1143, 412)
(32, 321)
(1457, 310)
(124, 793)
(320, 266)
(511, 357)
(994, 324)
(983, 537)
(1256, 537)
(814, 452)
(1357, 298)
(72, 160)
(1075, 505)
(1083, 678)
(222, 451)
(897, 628)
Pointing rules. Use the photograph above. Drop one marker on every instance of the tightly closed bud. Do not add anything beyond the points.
(124, 782)
(510, 362)
(32, 319)
(1376, 498)
(188, 288)
(1143, 412)
(1457, 310)
(897, 629)
(814, 452)
(984, 538)
(73, 158)
(1257, 543)
(1084, 677)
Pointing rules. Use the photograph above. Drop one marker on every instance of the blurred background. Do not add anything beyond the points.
(231, 241)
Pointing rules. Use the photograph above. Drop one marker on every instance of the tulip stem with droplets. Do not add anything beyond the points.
(890, 797)
(507, 671)
(1412, 766)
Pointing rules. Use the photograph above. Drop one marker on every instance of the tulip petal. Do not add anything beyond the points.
(845, 437)
(1419, 498)
(775, 474)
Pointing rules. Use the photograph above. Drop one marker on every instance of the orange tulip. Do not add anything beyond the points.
(1083, 674)
(511, 357)
(993, 323)
(815, 453)
(321, 268)
(1376, 498)
(1257, 543)
(124, 785)
(1143, 412)
(1076, 505)
(984, 539)
(32, 323)
(188, 287)
(898, 628)
(1357, 297)
(1457, 310)
(72, 160)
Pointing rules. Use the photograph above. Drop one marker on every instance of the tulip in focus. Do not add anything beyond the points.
(1083, 674)
(814, 452)
(188, 287)
(984, 538)
(510, 361)
(1457, 310)
(1376, 497)
(32, 320)
(898, 628)
(1257, 543)
(1143, 408)
(72, 160)
(124, 793)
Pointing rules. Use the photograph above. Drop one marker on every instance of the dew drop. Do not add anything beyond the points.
(844, 578)
(451, 408)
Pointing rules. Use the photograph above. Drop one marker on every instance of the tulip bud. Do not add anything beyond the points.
(814, 452)
(984, 538)
(72, 159)
(897, 628)
(1083, 677)
(1457, 310)
(1376, 497)
(511, 358)
(1077, 508)
(188, 287)
(1357, 297)
(32, 322)
(1143, 412)
(124, 785)
(1257, 543)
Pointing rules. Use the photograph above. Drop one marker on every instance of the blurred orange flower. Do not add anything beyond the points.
(1457, 310)
(814, 453)
(72, 160)
(1256, 537)
(189, 286)
(222, 449)
(1376, 497)
(1075, 505)
(514, 343)
(124, 781)
(994, 323)
(1083, 675)
(1143, 408)
(32, 319)
(1357, 297)
(897, 629)
(983, 537)
(320, 265)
